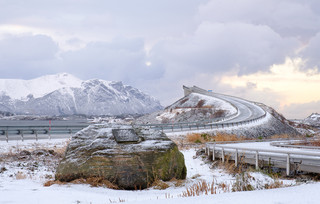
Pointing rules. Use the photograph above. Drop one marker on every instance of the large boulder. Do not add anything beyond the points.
(131, 158)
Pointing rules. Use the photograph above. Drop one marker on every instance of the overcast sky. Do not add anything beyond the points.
(263, 50)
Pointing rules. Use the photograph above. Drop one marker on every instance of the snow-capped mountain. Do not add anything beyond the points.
(64, 94)
(313, 120)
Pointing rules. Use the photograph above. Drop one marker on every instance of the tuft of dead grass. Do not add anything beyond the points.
(93, 181)
(200, 188)
(282, 136)
(20, 175)
(222, 137)
(177, 182)
(315, 143)
(160, 185)
(219, 137)
(195, 138)
(51, 182)
(275, 184)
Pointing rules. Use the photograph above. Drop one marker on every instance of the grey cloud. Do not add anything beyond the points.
(27, 55)
(311, 53)
(122, 59)
(103, 18)
(289, 18)
(217, 48)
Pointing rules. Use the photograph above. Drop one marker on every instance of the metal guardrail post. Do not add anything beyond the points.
(288, 165)
(21, 132)
(7, 137)
(213, 154)
(222, 154)
(236, 158)
(257, 160)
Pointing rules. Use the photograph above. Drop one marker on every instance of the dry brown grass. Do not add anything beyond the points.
(93, 181)
(282, 136)
(219, 137)
(275, 184)
(202, 187)
(20, 175)
(315, 143)
(223, 137)
(195, 138)
(177, 182)
(160, 185)
(51, 182)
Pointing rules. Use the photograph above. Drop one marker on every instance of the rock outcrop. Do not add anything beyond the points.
(131, 158)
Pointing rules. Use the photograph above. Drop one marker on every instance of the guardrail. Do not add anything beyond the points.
(287, 159)
(296, 144)
(199, 126)
(37, 130)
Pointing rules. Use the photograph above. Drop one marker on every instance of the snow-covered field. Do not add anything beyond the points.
(22, 179)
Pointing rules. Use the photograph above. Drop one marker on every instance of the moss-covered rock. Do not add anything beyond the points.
(95, 152)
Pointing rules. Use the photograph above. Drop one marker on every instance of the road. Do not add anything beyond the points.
(246, 110)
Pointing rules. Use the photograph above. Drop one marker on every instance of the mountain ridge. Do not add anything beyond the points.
(64, 94)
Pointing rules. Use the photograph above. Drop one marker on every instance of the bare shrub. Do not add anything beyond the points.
(183, 101)
(315, 143)
(51, 182)
(274, 184)
(177, 182)
(221, 137)
(242, 183)
(282, 136)
(219, 113)
(160, 185)
(200, 104)
(193, 137)
(202, 187)
(198, 137)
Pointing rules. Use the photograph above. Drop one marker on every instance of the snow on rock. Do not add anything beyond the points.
(131, 158)
(64, 94)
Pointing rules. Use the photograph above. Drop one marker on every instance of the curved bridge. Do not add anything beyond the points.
(247, 112)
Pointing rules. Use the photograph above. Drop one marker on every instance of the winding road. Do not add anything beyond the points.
(246, 110)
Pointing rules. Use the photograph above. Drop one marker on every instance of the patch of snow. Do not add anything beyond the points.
(31, 190)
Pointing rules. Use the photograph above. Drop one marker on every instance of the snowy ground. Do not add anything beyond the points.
(22, 179)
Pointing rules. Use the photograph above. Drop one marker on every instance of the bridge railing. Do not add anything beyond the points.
(200, 126)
